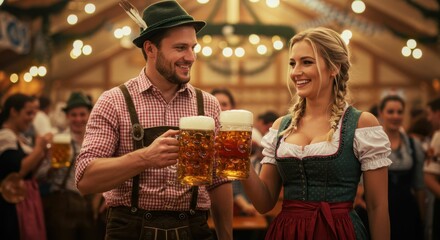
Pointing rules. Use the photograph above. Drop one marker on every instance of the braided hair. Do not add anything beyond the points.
(331, 47)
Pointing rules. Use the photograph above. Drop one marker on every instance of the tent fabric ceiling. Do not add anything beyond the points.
(383, 28)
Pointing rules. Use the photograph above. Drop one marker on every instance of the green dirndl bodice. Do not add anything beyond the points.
(325, 178)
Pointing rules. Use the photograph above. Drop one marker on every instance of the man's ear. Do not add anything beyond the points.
(13, 112)
(150, 49)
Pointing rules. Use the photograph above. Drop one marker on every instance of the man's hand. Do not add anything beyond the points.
(163, 152)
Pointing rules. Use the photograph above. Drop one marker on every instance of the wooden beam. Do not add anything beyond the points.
(68, 77)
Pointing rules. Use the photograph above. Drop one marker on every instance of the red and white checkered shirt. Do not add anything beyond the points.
(108, 134)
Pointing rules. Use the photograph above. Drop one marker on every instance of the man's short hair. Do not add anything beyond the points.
(434, 104)
(44, 102)
(268, 117)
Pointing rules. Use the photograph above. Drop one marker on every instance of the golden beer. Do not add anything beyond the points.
(196, 150)
(233, 144)
(61, 151)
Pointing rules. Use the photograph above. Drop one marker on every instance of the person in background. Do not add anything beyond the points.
(68, 214)
(30, 133)
(224, 97)
(432, 167)
(20, 203)
(41, 121)
(242, 206)
(318, 151)
(374, 109)
(265, 121)
(58, 117)
(136, 173)
(420, 128)
(405, 175)
(260, 128)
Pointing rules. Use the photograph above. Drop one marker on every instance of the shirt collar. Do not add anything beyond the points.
(145, 84)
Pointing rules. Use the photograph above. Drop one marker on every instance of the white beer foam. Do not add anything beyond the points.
(197, 123)
(237, 116)
(61, 138)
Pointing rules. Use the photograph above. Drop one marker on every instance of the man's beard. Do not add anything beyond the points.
(165, 68)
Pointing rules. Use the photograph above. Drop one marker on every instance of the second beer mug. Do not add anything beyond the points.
(233, 144)
(61, 151)
(196, 150)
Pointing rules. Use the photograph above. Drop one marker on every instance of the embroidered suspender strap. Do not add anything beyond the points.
(195, 189)
(138, 136)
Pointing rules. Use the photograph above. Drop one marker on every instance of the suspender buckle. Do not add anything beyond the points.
(138, 132)
(133, 209)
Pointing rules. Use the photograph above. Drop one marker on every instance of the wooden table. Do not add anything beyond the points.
(245, 223)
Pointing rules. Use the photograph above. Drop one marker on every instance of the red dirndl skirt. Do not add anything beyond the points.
(312, 221)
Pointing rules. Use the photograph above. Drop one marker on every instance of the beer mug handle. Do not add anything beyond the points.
(173, 168)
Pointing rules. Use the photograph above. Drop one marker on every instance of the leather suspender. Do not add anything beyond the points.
(72, 163)
(138, 137)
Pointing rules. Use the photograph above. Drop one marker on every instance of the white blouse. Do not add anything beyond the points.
(433, 166)
(371, 146)
(8, 140)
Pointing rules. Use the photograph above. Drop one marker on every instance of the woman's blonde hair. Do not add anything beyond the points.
(331, 47)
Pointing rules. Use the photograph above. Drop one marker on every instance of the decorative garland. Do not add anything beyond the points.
(243, 29)
(35, 12)
(48, 42)
(244, 72)
(330, 14)
(427, 13)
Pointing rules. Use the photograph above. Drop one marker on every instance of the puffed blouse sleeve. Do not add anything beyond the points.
(372, 147)
(269, 143)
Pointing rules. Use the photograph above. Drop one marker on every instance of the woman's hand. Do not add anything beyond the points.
(43, 144)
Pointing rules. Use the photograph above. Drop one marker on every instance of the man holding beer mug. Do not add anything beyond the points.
(135, 168)
(68, 215)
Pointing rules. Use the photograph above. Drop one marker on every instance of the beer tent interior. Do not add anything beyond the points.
(258, 80)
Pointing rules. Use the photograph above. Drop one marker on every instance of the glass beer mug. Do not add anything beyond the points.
(61, 150)
(233, 144)
(196, 150)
